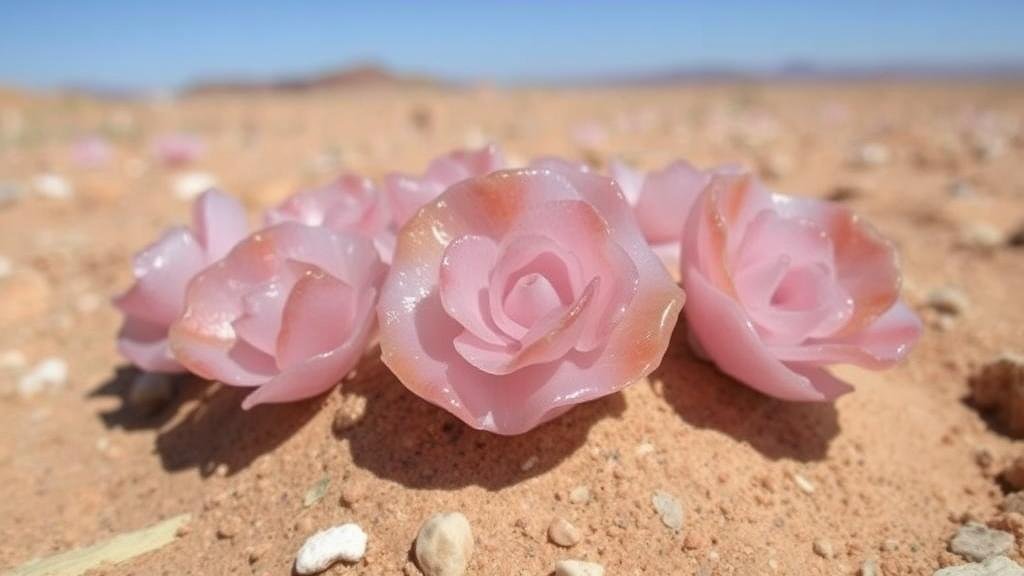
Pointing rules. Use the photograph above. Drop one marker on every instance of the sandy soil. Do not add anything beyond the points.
(895, 467)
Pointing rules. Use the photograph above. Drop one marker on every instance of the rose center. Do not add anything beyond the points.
(531, 298)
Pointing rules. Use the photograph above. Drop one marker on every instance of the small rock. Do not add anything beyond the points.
(52, 186)
(669, 509)
(444, 545)
(6, 267)
(871, 155)
(981, 236)
(995, 566)
(805, 485)
(579, 495)
(824, 549)
(870, 568)
(978, 542)
(316, 492)
(1013, 502)
(960, 189)
(563, 533)
(998, 388)
(529, 464)
(349, 413)
(150, 392)
(1016, 238)
(9, 193)
(948, 300)
(190, 185)
(50, 374)
(346, 543)
(578, 568)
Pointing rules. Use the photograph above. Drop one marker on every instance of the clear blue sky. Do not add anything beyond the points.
(144, 44)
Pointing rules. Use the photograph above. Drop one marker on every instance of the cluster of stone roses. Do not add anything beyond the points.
(507, 296)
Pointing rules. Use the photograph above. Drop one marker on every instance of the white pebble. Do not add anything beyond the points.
(669, 509)
(579, 495)
(50, 374)
(444, 545)
(529, 463)
(52, 186)
(871, 154)
(6, 267)
(190, 185)
(578, 568)
(346, 543)
(805, 485)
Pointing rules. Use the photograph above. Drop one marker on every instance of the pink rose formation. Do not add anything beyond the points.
(516, 295)
(164, 269)
(289, 311)
(406, 194)
(349, 204)
(779, 287)
(176, 150)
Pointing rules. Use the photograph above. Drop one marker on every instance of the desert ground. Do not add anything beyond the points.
(881, 480)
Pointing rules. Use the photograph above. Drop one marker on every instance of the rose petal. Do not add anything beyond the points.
(162, 271)
(219, 222)
(883, 343)
(145, 345)
(317, 318)
(463, 286)
(729, 339)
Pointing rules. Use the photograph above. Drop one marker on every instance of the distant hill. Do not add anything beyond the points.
(353, 77)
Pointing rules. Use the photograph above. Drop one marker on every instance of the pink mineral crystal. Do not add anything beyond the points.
(517, 295)
(780, 287)
(289, 311)
(164, 269)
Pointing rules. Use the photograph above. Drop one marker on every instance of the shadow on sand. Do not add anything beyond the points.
(410, 441)
(204, 426)
(706, 398)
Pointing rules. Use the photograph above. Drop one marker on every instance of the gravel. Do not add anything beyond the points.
(978, 542)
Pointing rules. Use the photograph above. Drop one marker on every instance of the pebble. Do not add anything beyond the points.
(52, 186)
(563, 533)
(529, 464)
(978, 542)
(579, 495)
(444, 545)
(948, 300)
(998, 387)
(150, 392)
(578, 568)
(981, 236)
(869, 568)
(346, 543)
(6, 267)
(995, 566)
(960, 189)
(824, 549)
(669, 509)
(1013, 502)
(50, 374)
(805, 485)
(9, 193)
(871, 155)
(190, 185)
(349, 413)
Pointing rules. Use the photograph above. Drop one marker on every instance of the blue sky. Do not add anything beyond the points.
(161, 45)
